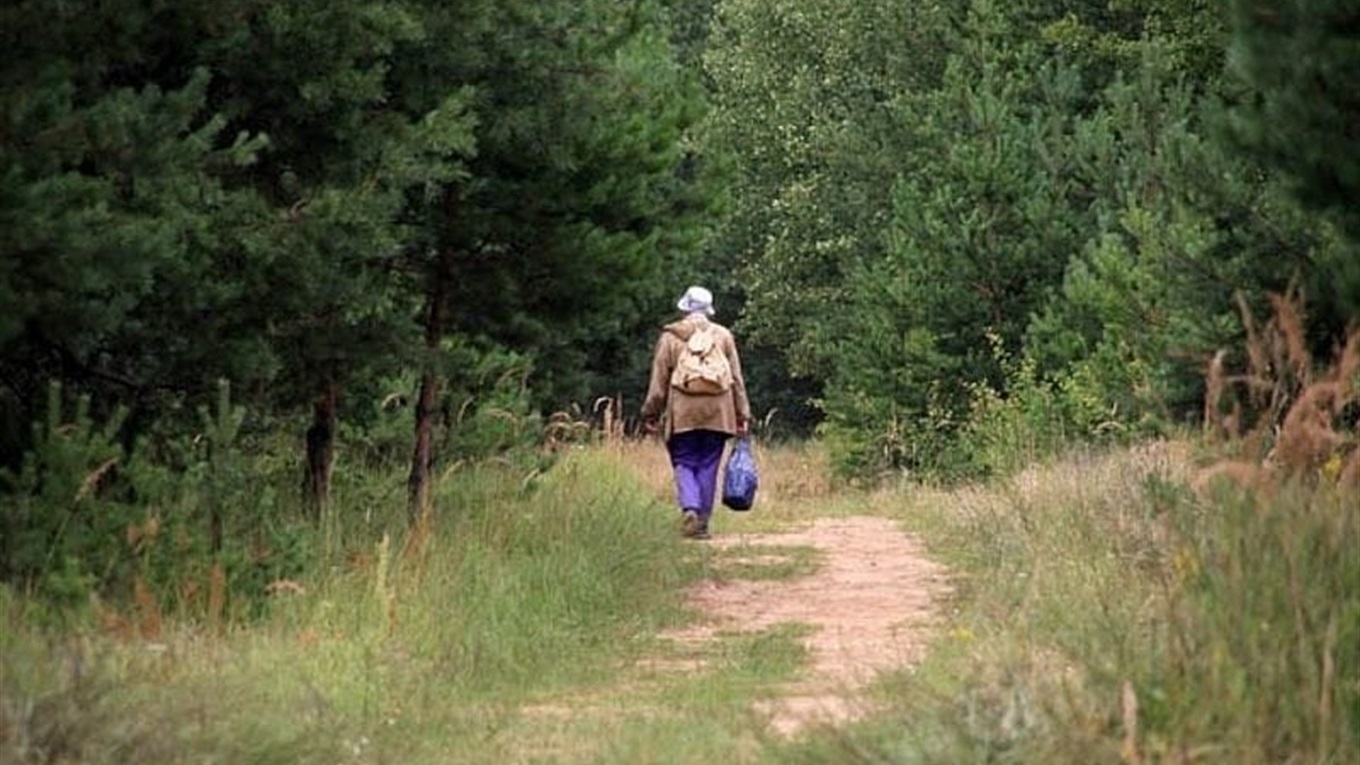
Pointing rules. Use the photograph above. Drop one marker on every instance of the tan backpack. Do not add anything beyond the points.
(703, 368)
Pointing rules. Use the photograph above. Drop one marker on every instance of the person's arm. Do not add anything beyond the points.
(658, 386)
(739, 399)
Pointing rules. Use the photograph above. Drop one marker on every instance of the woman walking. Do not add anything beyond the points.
(697, 395)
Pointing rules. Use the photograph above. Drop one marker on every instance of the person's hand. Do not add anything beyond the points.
(649, 426)
(743, 427)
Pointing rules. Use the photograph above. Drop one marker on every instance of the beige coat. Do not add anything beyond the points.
(682, 411)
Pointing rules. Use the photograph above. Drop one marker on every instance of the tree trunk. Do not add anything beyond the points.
(422, 457)
(316, 481)
(418, 484)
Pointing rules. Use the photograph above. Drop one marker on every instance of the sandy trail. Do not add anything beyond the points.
(871, 603)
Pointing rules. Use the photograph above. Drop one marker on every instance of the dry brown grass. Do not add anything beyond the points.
(1035, 513)
(1283, 414)
(794, 473)
(794, 477)
(604, 423)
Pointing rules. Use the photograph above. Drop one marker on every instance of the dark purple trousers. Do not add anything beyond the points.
(695, 457)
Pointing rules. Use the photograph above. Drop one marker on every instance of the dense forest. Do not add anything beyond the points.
(242, 243)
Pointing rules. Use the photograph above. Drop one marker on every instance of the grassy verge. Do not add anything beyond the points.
(1108, 612)
(523, 627)
(1109, 607)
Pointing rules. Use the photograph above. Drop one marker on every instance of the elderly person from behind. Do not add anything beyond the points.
(697, 399)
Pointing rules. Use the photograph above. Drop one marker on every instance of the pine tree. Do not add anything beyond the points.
(343, 161)
(559, 229)
(212, 190)
(109, 187)
(1300, 64)
(980, 234)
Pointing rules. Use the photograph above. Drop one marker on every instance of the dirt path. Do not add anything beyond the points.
(870, 603)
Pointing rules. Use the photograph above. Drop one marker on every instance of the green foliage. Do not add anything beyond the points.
(1023, 423)
(249, 532)
(488, 406)
(1181, 225)
(203, 191)
(1298, 63)
(556, 239)
(62, 530)
(978, 236)
(108, 199)
(546, 574)
(376, 431)
(882, 419)
(1059, 180)
(802, 124)
(85, 515)
(267, 193)
(485, 411)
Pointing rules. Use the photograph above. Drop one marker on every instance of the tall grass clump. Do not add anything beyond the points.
(1189, 601)
(1266, 616)
(533, 581)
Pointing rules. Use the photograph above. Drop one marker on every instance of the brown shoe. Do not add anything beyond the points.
(692, 526)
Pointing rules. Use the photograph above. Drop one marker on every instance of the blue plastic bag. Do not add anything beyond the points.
(740, 477)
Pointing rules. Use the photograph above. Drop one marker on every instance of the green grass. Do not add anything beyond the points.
(526, 631)
(1102, 612)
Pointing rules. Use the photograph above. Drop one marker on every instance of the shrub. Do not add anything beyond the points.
(195, 522)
